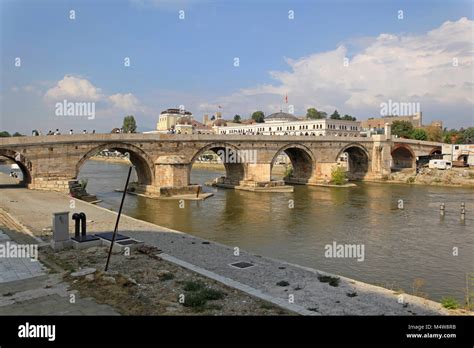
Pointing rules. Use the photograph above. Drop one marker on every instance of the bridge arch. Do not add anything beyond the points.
(403, 157)
(232, 158)
(302, 160)
(143, 163)
(436, 151)
(22, 162)
(357, 159)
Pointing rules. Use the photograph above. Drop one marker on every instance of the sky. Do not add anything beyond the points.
(241, 55)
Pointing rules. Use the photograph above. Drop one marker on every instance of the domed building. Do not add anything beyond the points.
(283, 123)
(169, 118)
(280, 117)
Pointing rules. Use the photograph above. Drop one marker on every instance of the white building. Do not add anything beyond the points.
(459, 152)
(282, 123)
(169, 117)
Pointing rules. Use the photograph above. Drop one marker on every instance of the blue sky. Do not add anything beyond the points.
(191, 61)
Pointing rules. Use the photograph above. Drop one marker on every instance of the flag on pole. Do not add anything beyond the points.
(286, 99)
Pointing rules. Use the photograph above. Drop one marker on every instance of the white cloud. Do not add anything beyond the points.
(126, 102)
(77, 88)
(73, 88)
(417, 68)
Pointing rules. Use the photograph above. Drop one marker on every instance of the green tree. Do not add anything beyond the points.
(258, 116)
(17, 134)
(237, 118)
(468, 135)
(129, 124)
(335, 115)
(452, 136)
(4, 134)
(314, 114)
(347, 117)
(419, 134)
(402, 129)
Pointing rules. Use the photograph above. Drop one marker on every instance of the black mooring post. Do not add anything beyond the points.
(76, 218)
(82, 216)
(118, 218)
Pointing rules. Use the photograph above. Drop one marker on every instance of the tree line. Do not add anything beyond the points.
(405, 129)
(5, 134)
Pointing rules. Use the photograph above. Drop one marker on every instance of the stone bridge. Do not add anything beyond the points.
(163, 162)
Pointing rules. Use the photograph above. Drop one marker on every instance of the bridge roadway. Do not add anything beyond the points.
(163, 161)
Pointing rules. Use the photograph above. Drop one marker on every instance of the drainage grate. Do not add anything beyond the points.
(128, 242)
(109, 235)
(242, 264)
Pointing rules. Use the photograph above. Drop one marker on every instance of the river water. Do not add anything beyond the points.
(409, 249)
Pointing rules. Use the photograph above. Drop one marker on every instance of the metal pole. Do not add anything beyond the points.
(118, 218)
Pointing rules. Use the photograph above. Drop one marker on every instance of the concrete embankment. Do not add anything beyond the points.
(299, 289)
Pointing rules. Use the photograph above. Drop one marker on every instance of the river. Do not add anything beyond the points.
(409, 249)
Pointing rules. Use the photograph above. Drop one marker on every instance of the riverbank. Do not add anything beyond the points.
(454, 177)
(313, 292)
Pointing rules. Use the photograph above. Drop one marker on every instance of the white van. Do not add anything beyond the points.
(440, 164)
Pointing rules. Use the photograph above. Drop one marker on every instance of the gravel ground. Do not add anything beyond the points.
(144, 284)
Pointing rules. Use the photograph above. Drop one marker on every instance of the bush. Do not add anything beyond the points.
(338, 176)
(197, 294)
(449, 303)
(193, 286)
(194, 299)
(212, 294)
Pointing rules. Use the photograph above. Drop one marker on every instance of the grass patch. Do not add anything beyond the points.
(193, 285)
(197, 294)
(266, 305)
(212, 294)
(333, 281)
(449, 303)
(194, 299)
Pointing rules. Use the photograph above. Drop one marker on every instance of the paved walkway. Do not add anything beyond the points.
(46, 295)
(26, 288)
(16, 268)
(304, 294)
